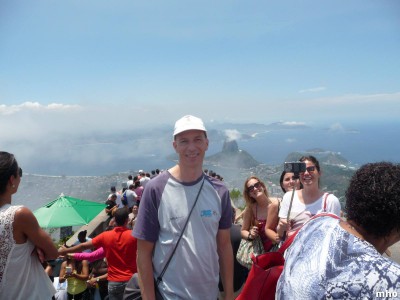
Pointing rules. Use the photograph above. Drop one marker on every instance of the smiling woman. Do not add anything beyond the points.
(306, 202)
(261, 214)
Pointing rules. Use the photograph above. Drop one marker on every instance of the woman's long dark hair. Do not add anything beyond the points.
(8, 168)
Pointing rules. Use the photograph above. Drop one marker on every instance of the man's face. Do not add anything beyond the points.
(191, 147)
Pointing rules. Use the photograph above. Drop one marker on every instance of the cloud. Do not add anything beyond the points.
(336, 127)
(358, 99)
(36, 107)
(56, 137)
(290, 140)
(232, 134)
(313, 90)
(293, 123)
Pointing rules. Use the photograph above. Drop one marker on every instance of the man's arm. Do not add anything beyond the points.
(77, 248)
(145, 269)
(225, 254)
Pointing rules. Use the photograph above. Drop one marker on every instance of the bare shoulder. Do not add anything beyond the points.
(23, 211)
(249, 209)
(24, 216)
(274, 202)
(24, 223)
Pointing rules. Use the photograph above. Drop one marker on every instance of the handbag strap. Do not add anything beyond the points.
(159, 278)
(325, 200)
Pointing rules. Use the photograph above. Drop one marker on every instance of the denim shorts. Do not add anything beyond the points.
(116, 289)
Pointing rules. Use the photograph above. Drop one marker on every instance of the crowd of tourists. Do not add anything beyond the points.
(174, 234)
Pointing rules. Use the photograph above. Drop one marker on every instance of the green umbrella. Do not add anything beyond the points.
(67, 211)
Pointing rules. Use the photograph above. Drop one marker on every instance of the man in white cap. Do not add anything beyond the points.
(204, 250)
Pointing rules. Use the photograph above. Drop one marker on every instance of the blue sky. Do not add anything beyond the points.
(116, 64)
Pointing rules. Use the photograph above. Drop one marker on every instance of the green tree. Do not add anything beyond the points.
(235, 194)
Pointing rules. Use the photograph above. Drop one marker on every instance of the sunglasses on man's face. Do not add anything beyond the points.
(257, 185)
(20, 172)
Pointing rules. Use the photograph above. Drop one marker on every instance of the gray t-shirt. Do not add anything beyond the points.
(193, 272)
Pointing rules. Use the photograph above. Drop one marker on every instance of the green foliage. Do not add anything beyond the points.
(235, 194)
(64, 240)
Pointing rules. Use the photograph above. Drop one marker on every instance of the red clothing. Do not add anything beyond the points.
(120, 247)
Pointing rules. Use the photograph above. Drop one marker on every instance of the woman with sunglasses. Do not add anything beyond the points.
(307, 202)
(261, 213)
(21, 273)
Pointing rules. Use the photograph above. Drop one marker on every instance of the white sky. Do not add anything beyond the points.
(73, 66)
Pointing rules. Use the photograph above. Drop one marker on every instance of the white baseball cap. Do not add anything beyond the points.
(188, 123)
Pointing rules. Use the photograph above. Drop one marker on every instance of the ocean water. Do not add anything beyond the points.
(359, 143)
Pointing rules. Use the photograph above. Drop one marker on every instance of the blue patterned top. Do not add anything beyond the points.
(327, 262)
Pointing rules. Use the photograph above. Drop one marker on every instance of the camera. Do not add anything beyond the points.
(295, 167)
(68, 270)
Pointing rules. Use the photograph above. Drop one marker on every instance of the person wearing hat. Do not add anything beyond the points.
(205, 250)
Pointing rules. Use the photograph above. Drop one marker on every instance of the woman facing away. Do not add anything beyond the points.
(260, 217)
(335, 259)
(307, 202)
(23, 244)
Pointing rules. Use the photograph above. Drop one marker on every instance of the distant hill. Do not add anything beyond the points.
(335, 169)
(324, 157)
(246, 127)
(231, 156)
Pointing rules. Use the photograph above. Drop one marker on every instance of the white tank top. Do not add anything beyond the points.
(21, 273)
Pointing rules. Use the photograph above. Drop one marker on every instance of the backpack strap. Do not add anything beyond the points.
(289, 241)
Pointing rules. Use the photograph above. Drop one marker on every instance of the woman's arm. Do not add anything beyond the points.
(272, 221)
(246, 223)
(27, 227)
(238, 217)
(90, 256)
(283, 211)
(62, 277)
(248, 232)
(92, 281)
